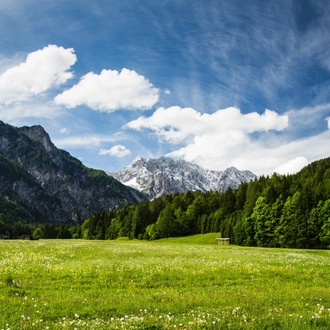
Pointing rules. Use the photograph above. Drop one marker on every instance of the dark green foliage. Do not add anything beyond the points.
(261, 219)
(12, 211)
(166, 223)
(18, 229)
(277, 211)
(141, 218)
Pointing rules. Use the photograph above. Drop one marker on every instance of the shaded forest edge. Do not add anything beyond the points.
(291, 211)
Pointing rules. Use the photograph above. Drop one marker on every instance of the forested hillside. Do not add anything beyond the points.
(40, 183)
(276, 211)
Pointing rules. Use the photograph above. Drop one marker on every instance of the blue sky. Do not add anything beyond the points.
(217, 83)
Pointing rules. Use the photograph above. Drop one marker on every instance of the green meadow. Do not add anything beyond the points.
(184, 283)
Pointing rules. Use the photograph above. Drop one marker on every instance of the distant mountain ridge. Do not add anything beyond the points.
(42, 183)
(164, 175)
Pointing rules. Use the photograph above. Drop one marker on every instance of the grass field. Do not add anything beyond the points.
(76, 284)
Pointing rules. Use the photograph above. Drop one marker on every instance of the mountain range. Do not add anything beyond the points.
(164, 175)
(41, 183)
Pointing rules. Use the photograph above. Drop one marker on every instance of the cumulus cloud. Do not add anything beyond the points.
(117, 151)
(292, 166)
(111, 90)
(228, 137)
(42, 69)
(176, 125)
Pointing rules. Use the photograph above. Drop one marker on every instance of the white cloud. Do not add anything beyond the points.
(16, 113)
(230, 138)
(292, 166)
(43, 69)
(167, 91)
(88, 141)
(111, 90)
(176, 125)
(64, 130)
(328, 120)
(117, 151)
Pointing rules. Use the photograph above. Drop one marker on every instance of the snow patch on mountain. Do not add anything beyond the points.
(161, 176)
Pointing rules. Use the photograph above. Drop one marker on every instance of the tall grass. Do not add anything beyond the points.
(74, 284)
(209, 238)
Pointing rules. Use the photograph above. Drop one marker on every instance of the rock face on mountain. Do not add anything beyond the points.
(48, 183)
(161, 176)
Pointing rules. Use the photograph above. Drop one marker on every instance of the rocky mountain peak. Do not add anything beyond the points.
(38, 134)
(50, 183)
(160, 176)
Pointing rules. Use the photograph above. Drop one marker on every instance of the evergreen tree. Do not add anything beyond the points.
(262, 222)
(228, 202)
(166, 225)
(324, 214)
(141, 219)
(286, 232)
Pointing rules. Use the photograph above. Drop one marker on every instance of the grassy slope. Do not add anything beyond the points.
(209, 238)
(141, 285)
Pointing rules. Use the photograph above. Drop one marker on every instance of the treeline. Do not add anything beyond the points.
(276, 211)
(16, 221)
(18, 229)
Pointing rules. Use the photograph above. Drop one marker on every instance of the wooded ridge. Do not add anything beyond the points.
(40, 184)
(277, 211)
